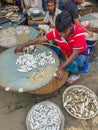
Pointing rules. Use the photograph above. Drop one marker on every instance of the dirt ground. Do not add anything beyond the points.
(15, 106)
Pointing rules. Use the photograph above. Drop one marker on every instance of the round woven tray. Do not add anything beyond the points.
(93, 38)
(41, 109)
(79, 87)
(85, 11)
(93, 29)
(52, 86)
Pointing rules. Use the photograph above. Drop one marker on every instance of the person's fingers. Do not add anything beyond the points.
(15, 51)
(58, 76)
(29, 22)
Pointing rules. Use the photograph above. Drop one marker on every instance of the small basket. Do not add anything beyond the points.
(52, 86)
(43, 113)
(85, 11)
(73, 99)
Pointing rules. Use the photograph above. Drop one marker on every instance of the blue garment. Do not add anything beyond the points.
(61, 5)
(86, 68)
(79, 65)
(45, 5)
(18, 3)
(55, 49)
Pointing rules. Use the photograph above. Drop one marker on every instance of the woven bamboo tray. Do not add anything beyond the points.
(93, 29)
(85, 11)
(48, 120)
(76, 90)
(52, 86)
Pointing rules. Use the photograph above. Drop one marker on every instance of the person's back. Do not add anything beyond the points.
(71, 7)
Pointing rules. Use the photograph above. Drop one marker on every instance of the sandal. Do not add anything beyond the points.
(72, 79)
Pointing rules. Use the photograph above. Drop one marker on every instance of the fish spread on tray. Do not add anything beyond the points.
(80, 102)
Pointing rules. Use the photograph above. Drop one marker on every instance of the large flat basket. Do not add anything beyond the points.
(39, 76)
(52, 86)
(85, 11)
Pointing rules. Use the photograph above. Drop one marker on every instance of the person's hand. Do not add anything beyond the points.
(28, 7)
(30, 22)
(2, 16)
(59, 73)
(51, 26)
(19, 48)
(90, 34)
(22, 6)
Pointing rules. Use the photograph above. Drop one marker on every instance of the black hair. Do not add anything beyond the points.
(52, 1)
(63, 21)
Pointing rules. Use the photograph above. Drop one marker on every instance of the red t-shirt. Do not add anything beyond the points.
(75, 41)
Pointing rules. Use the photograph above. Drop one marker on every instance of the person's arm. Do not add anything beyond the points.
(76, 21)
(71, 58)
(14, 2)
(19, 48)
(30, 22)
(47, 18)
(51, 26)
(22, 4)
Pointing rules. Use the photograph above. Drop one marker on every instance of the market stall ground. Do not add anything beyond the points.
(15, 106)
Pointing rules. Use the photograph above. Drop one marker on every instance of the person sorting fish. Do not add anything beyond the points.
(71, 40)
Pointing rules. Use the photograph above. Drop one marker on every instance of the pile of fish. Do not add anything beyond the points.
(41, 75)
(12, 36)
(5, 10)
(26, 62)
(22, 29)
(45, 116)
(22, 38)
(93, 38)
(14, 17)
(7, 37)
(80, 102)
(22, 34)
(8, 41)
(7, 32)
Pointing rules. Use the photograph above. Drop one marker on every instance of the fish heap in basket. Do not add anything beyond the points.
(6, 9)
(7, 37)
(80, 102)
(93, 38)
(12, 36)
(45, 116)
(9, 13)
(15, 17)
(27, 62)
